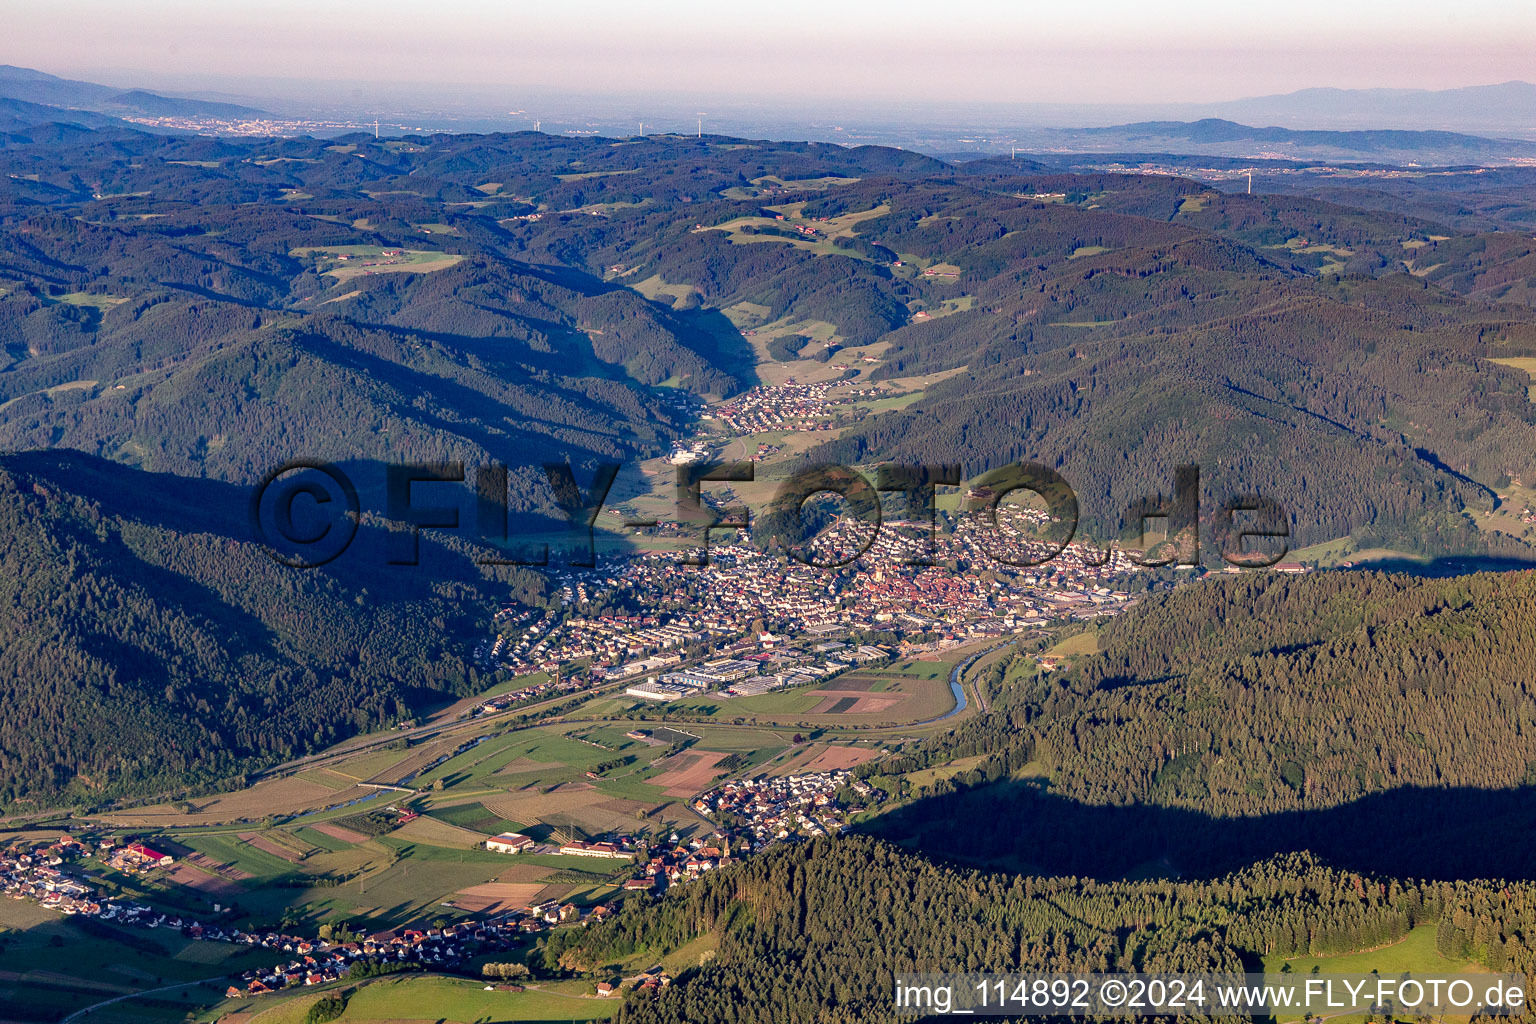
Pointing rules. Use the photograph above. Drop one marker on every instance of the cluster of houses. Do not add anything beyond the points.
(662, 864)
(550, 644)
(769, 809)
(551, 687)
(669, 865)
(788, 406)
(49, 873)
(39, 872)
(317, 961)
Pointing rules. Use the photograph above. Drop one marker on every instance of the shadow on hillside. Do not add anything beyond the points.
(1431, 833)
(707, 332)
(712, 335)
(1448, 565)
(197, 510)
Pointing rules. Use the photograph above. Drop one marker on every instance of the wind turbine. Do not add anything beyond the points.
(1250, 181)
(375, 128)
(701, 124)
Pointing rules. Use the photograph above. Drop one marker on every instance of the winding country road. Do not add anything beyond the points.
(131, 995)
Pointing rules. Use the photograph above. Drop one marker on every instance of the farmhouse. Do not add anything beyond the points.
(509, 842)
(145, 855)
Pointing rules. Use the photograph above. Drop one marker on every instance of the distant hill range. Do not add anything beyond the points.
(20, 116)
(1507, 107)
(1218, 137)
(36, 87)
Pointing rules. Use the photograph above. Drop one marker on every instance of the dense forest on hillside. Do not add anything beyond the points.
(151, 646)
(818, 932)
(1231, 719)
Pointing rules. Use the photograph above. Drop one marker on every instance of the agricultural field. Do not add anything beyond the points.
(326, 871)
(928, 776)
(340, 861)
(696, 953)
(355, 863)
(752, 230)
(880, 698)
(365, 259)
(509, 761)
(657, 290)
(1086, 642)
(434, 832)
(236, 851)
(287, 795)
(474, 816)
(1415, 953)
(101, 303)
(330, 779)
(1524, 363)
(1328, 553)
(689, 773)
(823, 757)
(572, 805)
(500, 897)
(440, 999)
(55, 965)
(367, 766)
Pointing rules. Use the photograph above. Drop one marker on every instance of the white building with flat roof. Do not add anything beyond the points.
(509, 842)
(658, 690)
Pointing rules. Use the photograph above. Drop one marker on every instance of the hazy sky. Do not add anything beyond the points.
(963, 50)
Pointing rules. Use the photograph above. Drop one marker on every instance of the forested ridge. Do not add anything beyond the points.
(1300, 693)
(819, 931)
(1241, 716)
(163, 304)
(151, 646)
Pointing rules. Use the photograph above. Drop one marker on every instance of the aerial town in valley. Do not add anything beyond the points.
(658, 608)
(652, 637)
(976, 571)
